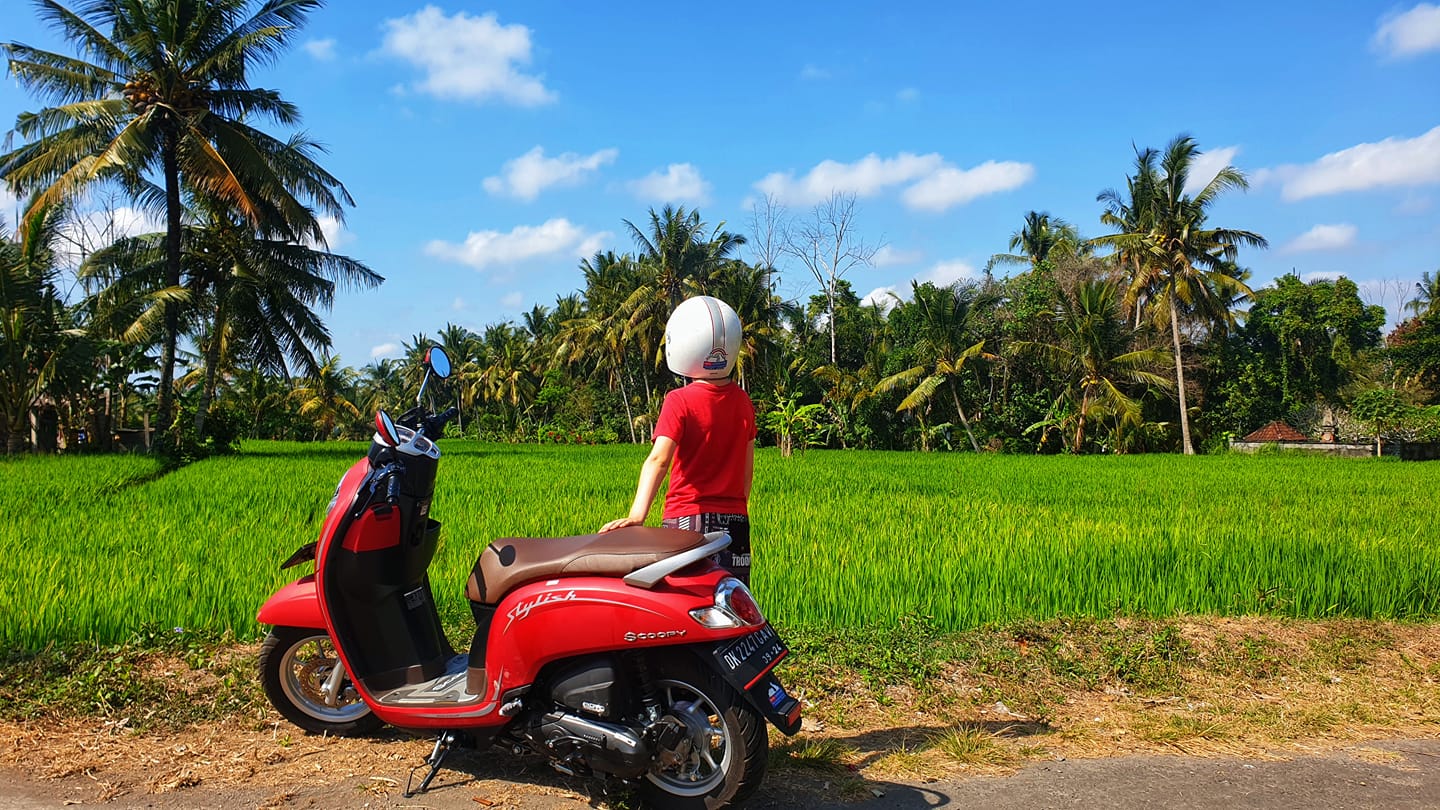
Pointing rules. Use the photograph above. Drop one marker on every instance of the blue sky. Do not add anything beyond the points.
(489, 146)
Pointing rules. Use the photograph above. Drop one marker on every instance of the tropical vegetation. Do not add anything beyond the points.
(1144, 336)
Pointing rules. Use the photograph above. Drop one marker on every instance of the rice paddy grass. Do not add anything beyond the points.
(96, 548)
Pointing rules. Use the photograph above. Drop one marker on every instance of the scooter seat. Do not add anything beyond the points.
(508, 563)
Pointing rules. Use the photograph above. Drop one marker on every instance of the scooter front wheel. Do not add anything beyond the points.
(295, 665)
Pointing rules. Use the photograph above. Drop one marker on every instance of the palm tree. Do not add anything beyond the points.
(593, 335)
(1042, 237)
(679, 253)
(1427, 295)
(1183, 267)
(1132, 214)
(506, 376)
(257, 394)
(30, 322)
(322, 396)
(383, 384)
(462, 346)
(1092, 353)
(254, 299)
(944, 347)
(747, 290)
(845, 391)
(163, 88)
(678, 259)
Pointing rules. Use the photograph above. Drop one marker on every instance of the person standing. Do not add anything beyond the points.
(705, 436)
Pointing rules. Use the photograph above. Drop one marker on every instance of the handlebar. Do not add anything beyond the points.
(432, 426)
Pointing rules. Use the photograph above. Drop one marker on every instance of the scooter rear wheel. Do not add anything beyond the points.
(295, 662)
(726, 754)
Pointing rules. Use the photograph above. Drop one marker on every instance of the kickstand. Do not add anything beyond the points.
(437, 756)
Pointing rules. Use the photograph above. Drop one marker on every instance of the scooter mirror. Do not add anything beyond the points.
(385, 430)
(438, 361)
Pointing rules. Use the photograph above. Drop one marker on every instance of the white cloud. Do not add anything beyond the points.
(85, 232)
(336, 234)
(464, 57)
(943, 274)
(322, 50)
(882, 296)
(814, 73)
(482, 249)
(526, 176)
(458, 304)
(1323, 237)
(10, 209)
(950, 186)
(1207, 165)
(908, 94)
(1391, 162)
(1413, 32)
(931, 183)
(513, 300)
(383, 350)
(864, 178)
(889, 256)
(679, 182)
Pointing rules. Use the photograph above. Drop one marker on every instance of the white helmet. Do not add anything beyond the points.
(702, 338)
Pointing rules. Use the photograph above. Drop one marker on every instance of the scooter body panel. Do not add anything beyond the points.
(295, 605)
(558, 619)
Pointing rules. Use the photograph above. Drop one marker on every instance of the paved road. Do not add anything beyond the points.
(1397, 774)
(1332, 781)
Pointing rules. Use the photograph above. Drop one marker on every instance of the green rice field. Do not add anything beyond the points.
(94, 548)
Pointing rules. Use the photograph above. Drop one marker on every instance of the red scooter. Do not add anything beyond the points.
(627, 655)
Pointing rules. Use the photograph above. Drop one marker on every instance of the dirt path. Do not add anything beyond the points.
(1389, 774)
(1265, 714)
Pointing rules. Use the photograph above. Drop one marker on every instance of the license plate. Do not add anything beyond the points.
(745, 659)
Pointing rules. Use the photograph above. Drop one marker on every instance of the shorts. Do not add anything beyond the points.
(736, 557)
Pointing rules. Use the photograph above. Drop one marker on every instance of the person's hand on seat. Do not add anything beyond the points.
(620, 523)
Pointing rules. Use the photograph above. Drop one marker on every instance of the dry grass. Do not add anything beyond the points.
(1252, 687)
(1261, 688)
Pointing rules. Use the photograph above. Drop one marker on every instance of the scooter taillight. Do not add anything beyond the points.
(734, 607)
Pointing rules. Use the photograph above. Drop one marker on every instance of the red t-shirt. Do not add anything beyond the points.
(712, 427)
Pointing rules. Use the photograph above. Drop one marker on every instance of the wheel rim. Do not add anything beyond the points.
(712, 742)
(303, 670)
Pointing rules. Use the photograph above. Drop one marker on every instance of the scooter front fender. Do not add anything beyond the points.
(295, 605)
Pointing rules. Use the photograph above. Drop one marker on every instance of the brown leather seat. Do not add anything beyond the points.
(508, 563)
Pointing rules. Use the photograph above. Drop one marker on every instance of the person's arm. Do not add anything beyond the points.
(652, 472)
(749, 476)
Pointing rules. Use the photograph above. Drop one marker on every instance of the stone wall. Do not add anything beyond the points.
(1319, 448)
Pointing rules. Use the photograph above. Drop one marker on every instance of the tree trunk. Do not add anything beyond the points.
(831, 293)
(166, 403)
(1080, 426)
(966, 422)
(629, 417)
(1180, 379)
(212, 368)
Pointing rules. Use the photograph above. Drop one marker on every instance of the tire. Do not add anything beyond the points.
(294, 663)
(739, 747)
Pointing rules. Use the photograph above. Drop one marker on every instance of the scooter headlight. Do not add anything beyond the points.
(336, 496)
(734, 607)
